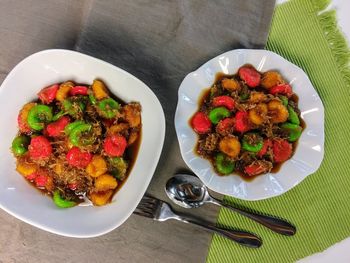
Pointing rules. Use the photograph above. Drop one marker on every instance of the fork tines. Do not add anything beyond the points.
(148, 206)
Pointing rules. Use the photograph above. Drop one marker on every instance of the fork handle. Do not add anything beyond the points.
(241, 237)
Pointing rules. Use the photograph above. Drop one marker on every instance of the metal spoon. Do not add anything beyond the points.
(189, 192)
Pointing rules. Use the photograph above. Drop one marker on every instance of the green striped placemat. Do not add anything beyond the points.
(307, 35)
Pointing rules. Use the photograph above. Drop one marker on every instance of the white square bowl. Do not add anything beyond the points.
(309, 152)
(21, 200)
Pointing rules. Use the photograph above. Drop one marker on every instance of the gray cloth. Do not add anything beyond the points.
(158, 41)
(161, 41)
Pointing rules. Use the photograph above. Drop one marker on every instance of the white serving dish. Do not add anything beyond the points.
(309, 152)
(21, 200)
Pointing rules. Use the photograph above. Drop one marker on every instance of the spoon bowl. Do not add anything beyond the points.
(188, 191)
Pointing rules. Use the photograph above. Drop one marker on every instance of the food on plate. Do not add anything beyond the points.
(248, 123)
(77, 142)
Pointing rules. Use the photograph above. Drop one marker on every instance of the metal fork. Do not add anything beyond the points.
(161, 211)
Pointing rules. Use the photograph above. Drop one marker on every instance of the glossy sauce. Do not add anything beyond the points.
(202, 100)
(131, 151)
(130, 154)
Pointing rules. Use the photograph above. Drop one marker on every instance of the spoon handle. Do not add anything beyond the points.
(242, 237)
(275, 224)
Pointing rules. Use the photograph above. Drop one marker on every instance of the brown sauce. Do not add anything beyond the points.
(204, 96)
(130, 153)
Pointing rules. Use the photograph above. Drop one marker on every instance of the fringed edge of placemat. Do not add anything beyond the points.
(335, 38)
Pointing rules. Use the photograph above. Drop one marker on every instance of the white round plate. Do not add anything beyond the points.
(21, 200)
(309, 153)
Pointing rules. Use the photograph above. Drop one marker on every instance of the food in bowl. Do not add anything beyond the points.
(77, 142)
(248, 123)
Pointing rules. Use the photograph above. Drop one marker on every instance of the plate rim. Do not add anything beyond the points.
(206, 64)
(139, 194)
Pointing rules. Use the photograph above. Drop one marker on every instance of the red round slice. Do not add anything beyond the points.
(253, 169)
(201, 123)
(225, 101)
(267, 144)
(39, 148)
(78, 158)
(282, 150)
(250, 76)
(242, 122)
(115, 145)
(256, 168)
(225, 126)
(79, 90)
(56, 128)
(41, 180)
(47, 95)
(32, 176)
(284, 89)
